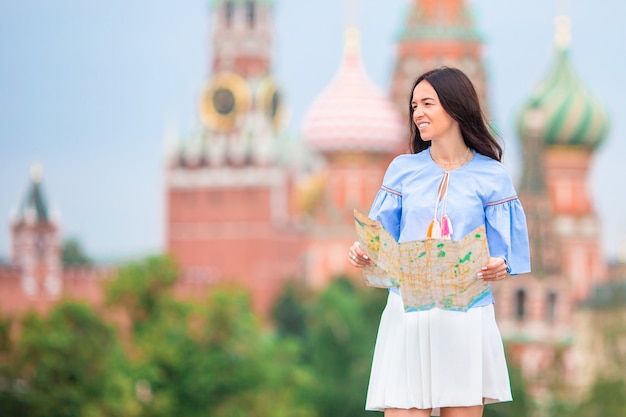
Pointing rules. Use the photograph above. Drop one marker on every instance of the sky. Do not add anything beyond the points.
(90, 89)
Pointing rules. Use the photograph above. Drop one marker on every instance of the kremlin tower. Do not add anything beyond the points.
(230, 212)
(36, 278)
(35, 242)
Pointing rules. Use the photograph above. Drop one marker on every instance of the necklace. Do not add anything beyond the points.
(458, 161)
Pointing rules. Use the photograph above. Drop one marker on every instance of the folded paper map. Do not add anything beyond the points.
(429, 273)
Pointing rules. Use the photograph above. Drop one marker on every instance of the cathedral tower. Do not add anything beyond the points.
(357, 130)
(437, 33)
(570, 123)
(559, 126)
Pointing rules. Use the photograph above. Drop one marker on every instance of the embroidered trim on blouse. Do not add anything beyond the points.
(501, 201)
(389, 190)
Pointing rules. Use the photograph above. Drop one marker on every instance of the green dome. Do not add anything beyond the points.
(562, 111)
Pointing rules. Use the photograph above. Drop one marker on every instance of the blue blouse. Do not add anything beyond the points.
(480, 192)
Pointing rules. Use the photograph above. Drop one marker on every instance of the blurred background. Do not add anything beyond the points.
(178, 183)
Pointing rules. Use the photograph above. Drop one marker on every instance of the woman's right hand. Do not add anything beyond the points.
(357, 257)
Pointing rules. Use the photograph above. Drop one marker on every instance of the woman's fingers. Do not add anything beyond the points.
(495, 270)
(357, 257)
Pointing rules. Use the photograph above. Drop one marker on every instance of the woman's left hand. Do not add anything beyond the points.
(358, 257)
(495, 270)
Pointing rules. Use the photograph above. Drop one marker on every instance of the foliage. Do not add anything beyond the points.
(65, 366)
(342, 333)
(200, 360)
(142, 288)
(290, 312)
(214, 360)
(72, 253)
(195, 359)
(607, 398)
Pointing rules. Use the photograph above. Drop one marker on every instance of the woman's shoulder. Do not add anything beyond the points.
(408, 160)
(487, 163)
(492, 176)
(402, 167)
(485, 166)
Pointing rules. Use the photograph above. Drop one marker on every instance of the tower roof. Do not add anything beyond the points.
(561, 110)
(352, 113)
(440, 20)
(34, 203)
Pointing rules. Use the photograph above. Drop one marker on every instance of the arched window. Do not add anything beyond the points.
(250, 13)
(520, 304)
(551, 306)
(229, 12)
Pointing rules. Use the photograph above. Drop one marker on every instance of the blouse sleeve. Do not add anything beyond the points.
(387, 209)
(507, 234)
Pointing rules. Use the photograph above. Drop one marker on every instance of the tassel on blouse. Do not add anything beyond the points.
(434, 230)
(441, 230)
(446, 227)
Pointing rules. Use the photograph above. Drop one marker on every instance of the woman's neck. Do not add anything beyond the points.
(448, 153)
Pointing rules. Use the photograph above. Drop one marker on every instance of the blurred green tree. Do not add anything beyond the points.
(204, 359)
(607, 398)
(69, 365)
(342, 333)
(72, 253)
(143, 289)
(11, 402)
(290, 312)
(216, 360)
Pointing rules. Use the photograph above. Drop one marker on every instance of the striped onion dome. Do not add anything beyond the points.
(352, 113)
(561, 110)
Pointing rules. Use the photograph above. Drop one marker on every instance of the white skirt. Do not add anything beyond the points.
(437, 358)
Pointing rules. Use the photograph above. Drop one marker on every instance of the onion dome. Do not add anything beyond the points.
(352, 113)
(561, 111)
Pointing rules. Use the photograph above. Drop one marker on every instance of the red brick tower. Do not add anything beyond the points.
(35, 242)
(357, 130)
(35, 278)
(230, 216)
(35, 251)
(436, 33)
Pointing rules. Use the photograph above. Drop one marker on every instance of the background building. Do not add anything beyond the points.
(35, 278)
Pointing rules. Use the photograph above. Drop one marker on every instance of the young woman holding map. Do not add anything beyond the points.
(440, 361)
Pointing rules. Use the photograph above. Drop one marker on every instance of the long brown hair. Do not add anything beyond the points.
(459, 99)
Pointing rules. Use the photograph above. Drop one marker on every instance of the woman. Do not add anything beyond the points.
(441, 362)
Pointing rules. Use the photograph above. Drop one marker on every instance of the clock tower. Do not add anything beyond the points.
(230, 217)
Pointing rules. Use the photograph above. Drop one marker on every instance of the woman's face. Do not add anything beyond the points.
(429, 116)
